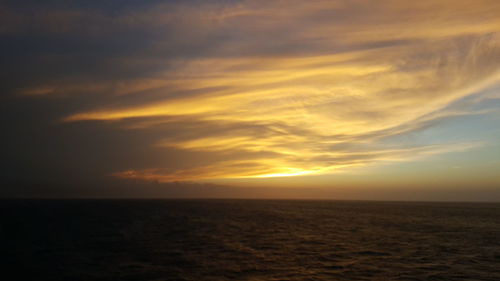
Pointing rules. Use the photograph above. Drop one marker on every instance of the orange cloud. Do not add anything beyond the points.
(302, 82)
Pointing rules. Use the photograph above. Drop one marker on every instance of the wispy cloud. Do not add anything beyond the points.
(278, 88)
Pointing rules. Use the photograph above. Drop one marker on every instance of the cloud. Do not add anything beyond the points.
(267, 88)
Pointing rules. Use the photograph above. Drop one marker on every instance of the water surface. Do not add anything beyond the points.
(249, 240)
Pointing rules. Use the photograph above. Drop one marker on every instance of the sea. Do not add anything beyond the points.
(248, 240)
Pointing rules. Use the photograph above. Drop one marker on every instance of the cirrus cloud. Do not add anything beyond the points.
(270, 88)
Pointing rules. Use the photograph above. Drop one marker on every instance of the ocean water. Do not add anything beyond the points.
(248, 240)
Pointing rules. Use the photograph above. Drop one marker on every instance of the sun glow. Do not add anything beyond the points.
(287, 174)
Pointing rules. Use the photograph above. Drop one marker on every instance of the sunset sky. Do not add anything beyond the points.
(349, 99)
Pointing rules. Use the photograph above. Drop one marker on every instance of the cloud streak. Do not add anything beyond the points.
(274, 88)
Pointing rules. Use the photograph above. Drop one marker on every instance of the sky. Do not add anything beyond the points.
(343, 99)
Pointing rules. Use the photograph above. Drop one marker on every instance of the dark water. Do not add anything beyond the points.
(248, 240)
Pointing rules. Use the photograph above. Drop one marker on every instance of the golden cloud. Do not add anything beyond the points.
(305, 80)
